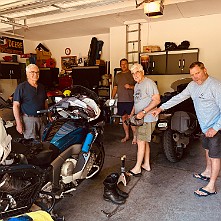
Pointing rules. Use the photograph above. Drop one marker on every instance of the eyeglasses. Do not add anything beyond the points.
(137, 72)
(34, 72)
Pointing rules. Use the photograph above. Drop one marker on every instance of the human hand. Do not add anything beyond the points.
(156, 112)
(140, 115)
(50, 119)
(19, 127)
(210, 132)
(127, 86)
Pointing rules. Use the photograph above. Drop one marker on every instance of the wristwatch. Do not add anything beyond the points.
(144, 111)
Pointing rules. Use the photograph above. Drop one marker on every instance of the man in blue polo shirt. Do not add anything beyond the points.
(29, 97)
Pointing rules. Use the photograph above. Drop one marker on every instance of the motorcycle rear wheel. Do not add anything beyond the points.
(172, 151)
(98, 149)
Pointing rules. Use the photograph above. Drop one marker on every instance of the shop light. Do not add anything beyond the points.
(154, 8)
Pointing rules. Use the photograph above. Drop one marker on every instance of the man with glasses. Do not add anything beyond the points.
(29, 97)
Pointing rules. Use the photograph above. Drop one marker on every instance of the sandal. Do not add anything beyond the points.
(201, 177)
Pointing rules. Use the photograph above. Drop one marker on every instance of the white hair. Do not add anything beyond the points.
(30, 66)
(136, 67)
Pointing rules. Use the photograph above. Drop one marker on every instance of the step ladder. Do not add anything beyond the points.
(133, 43)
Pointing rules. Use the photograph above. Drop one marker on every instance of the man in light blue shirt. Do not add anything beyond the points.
(205, 92)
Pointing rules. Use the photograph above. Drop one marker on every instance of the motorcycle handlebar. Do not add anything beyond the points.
(42, 111)
(50, 109)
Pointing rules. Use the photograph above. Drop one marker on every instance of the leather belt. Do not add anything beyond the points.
(26, 115)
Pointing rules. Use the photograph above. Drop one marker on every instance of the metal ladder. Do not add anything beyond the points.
(133, 43)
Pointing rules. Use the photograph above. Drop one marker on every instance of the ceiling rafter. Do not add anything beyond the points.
(47, 7)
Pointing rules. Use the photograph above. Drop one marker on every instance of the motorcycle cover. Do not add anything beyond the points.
(5, 143)
(82, 103)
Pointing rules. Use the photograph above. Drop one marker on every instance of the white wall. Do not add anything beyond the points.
(117, 46)
(202, 32)
(79, 47)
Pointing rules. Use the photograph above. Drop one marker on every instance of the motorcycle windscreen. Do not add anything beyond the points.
(68, 135)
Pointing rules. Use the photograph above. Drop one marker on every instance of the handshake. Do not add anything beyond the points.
(134, 121)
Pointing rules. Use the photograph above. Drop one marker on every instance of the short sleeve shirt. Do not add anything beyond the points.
(122, 78)
(30, 98)
(143, 93)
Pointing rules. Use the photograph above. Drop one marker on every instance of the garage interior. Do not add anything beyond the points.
(65, 29)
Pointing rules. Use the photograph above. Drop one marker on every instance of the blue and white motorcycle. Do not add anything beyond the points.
(71, 150)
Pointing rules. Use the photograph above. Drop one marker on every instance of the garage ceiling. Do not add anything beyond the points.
(53, 19)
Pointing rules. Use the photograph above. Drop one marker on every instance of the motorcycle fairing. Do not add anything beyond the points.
(68, 135)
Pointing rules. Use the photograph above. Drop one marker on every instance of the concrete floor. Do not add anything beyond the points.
(164, 193)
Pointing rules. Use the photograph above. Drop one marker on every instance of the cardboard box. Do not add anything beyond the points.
(151, 48)
(100, 62)
(43, 55)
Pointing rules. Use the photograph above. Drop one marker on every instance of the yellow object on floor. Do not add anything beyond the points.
(40, 216)
(32, 216)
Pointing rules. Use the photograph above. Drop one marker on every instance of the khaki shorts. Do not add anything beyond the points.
(144, 132)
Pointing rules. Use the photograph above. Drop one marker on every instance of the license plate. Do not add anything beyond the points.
(162, 124)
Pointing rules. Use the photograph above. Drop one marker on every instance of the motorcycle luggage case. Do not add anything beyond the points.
(180, 121)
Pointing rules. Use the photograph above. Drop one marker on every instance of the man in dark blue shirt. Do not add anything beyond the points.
(29, 97)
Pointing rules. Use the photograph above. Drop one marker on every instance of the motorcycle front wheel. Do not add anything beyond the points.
(172, 151)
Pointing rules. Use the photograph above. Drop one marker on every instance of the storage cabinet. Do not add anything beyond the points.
(88, 76)
(10, 70)
(178, 62)
(157, 63)
(49, 77)
(169, 62)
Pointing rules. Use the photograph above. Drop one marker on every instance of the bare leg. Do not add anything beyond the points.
(126, 129)
(134, 141)
(146, 164)
(207, 171)
(215, 166)
(140, 156)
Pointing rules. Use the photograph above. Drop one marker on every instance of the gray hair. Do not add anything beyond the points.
(30, 66)
(136, 67)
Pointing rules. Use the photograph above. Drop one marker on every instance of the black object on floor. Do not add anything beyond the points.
(112, 192)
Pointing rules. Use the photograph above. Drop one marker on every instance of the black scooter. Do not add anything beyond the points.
(177, 125)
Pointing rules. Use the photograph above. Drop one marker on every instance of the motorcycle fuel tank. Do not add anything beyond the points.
(68, 134)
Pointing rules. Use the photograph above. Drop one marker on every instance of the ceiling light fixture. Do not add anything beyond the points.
(152, 8)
